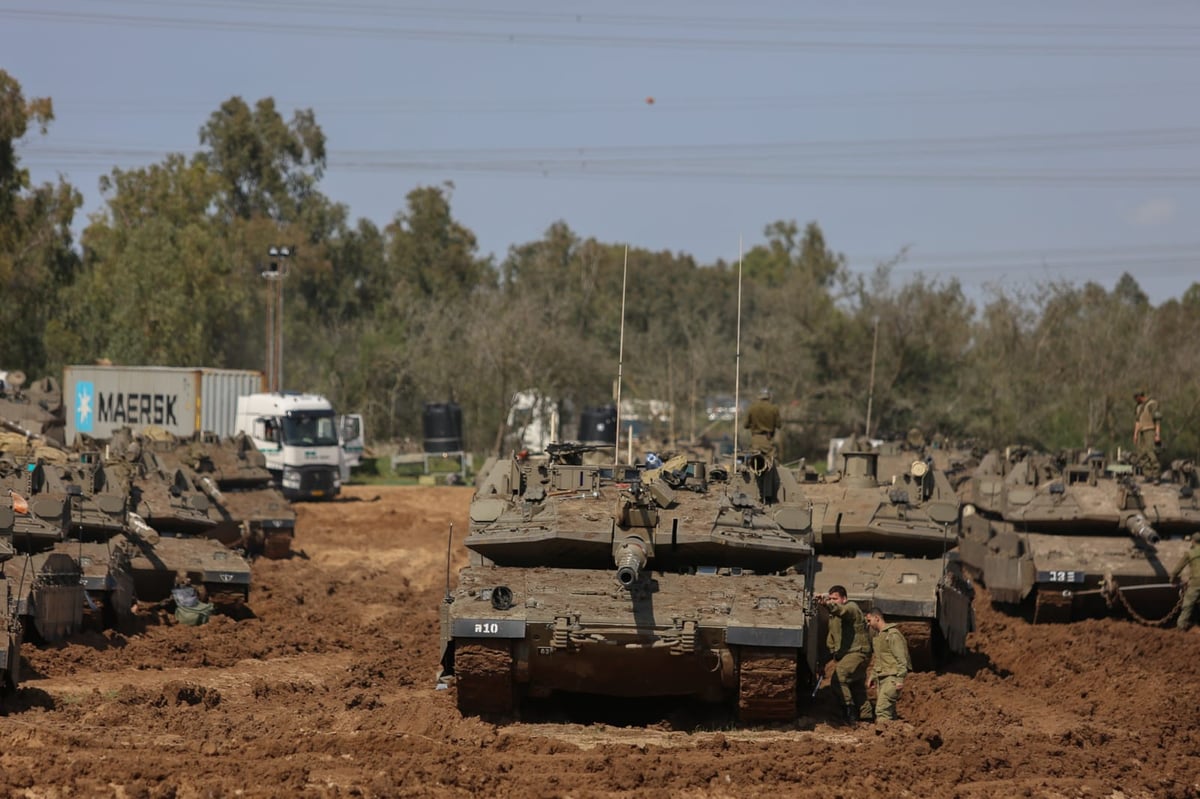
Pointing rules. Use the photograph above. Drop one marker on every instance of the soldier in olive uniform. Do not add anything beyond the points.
(850, 647)
(891, 664)
(762, 420)
(1191, 562)
(1147, 434)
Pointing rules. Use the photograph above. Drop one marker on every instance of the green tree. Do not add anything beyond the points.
(430, 253)
(162, 283)
(267, 167)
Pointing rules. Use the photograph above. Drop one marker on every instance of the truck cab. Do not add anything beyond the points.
(298, 435)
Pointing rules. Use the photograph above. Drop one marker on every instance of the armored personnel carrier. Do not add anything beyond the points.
(626, 582)
(1080, 534)
(890, 544)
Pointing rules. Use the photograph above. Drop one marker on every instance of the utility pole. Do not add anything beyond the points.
(274, 274)
(871, 387)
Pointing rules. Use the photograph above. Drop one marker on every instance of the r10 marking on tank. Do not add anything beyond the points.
(487, 627)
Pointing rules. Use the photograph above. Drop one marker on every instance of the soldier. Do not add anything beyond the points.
(1191, 562)
(762, 421)
(891, 664)
(1147, 434)
(850, 647)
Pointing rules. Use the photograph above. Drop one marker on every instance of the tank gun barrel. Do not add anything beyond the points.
(209, 487)
(13, 427)
(630, 557)
(1141, 529)
(137, 526)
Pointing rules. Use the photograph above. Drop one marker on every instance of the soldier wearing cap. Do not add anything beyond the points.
(762, 421)
(1147, 433)
(1191, 562)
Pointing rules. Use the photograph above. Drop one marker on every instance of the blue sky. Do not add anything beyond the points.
(1002, 144)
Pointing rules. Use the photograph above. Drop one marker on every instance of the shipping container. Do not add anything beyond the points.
(182, 400)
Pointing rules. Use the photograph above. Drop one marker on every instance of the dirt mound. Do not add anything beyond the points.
(327, 689)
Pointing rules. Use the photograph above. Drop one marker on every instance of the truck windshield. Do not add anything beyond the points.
(309, 430)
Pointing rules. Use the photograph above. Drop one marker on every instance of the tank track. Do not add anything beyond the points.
(483, 671)
(919, 636)
(766, 684)
(1051, 606)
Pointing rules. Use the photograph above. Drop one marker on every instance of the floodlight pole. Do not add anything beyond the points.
(274, 274)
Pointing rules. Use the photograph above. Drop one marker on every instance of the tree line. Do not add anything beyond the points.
(383, 320)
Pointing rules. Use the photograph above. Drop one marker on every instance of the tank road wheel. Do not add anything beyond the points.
(483, 670)
(1051, 606)
(766, 684)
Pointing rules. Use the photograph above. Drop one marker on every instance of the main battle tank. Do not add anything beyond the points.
(233, 474)
(626, 582)
(45, 585)
(34, 410)
(1082, 535)
(186, 523)
(890, 545)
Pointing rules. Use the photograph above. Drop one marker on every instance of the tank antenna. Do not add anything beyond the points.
(871, 386)
(737, 358)
(620, 364)
(449, 540)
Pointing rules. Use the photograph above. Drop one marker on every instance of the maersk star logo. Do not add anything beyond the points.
(83, 407)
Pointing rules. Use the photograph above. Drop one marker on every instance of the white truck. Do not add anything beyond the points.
(298, 434)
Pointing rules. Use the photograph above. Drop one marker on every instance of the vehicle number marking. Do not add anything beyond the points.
(487, 627)
(1062, 577)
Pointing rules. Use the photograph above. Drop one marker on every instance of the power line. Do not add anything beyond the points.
(324, 29)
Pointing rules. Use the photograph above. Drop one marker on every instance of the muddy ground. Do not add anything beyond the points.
(329, 690)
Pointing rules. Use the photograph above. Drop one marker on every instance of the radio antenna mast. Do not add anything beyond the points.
(871, 387)
(737, 359)
(621, 362)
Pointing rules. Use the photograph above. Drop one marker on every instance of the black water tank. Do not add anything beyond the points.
(443, 427)
(598, 424)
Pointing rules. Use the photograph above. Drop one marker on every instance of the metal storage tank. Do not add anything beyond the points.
(443, 427)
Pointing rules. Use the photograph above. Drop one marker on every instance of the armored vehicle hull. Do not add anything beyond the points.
(1073, 576)
(739, 639)
(49, 594)
(222, 573)
(10, 639)
(929, 599)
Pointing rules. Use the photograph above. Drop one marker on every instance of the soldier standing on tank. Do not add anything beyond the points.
(1191, 562)
(762, 420)
(1147, 434)
(891, 664)
(850, 647)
